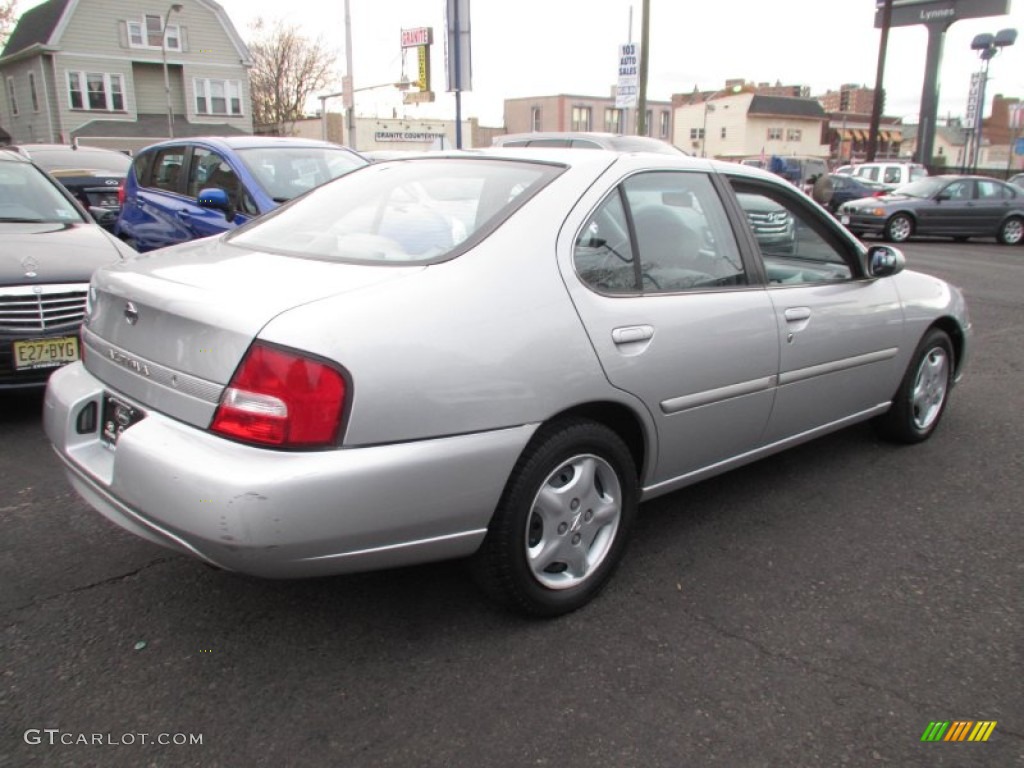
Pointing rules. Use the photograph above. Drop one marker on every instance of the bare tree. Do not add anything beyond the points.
(8, 18)
(287, 69)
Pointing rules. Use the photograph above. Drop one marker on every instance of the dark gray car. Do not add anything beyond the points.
(51, 248)
(952, 206)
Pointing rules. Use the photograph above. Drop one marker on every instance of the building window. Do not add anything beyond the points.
(32, 91)
(696, 133)
(613, 120)
(10, 96)
(774, 134)
(218, 97)
(96, 91)
(722, 134)
(146, 34)
(581, 118)
(666, 120)
(535, 123)
(793, 134)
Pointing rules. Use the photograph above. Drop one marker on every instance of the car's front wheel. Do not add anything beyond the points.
(921, 398)
(899, 228)
(563, 520)
(1012, 231)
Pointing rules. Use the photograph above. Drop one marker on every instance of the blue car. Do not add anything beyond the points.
(183, 189)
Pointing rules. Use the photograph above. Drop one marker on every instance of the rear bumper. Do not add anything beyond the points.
(282, 514)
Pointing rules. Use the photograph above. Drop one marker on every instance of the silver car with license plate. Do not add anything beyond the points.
(495, 354)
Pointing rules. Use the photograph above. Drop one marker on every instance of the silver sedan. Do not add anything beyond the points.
(496, 354)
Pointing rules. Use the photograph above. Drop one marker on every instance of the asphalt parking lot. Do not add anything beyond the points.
(819, 608)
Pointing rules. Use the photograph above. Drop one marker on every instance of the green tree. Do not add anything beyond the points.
(287, 69)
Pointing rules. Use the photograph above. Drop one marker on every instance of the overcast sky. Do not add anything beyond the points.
(540, 47)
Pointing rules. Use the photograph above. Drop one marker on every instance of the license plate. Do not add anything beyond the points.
(45, 353)
(844, 220)
(117, 417)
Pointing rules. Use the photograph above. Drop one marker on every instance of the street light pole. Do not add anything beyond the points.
(175, 8)
(987, 47)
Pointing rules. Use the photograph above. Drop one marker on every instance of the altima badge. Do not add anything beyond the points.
(131, 313)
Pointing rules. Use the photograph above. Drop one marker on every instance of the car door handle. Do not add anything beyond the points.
(797, 314)
(632, 334)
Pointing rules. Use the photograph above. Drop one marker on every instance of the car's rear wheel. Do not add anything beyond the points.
(923, 393)
(899, 228)
(1012, 231)
(563, 520)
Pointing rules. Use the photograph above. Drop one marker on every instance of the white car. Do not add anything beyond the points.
(893, 174)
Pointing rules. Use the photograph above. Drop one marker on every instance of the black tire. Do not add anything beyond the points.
(921, 398)
(1011, 231)
(899, 228)
(508, 566)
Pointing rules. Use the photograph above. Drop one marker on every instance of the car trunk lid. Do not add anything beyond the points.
(169, 329)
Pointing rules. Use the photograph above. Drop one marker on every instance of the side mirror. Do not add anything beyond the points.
(885, 261)
(217, 199)
(943, 196)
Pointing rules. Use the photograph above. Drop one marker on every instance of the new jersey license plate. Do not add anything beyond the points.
(45, 353)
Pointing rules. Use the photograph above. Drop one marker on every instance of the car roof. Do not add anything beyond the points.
(246, 142)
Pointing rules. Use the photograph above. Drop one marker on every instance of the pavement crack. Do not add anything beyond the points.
(812, 668)
(86, 587)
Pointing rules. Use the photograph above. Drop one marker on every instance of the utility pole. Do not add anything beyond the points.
(645, 38)
(876, 107)
(350, 117)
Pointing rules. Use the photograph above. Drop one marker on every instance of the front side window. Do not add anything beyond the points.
(797, 247)
(659, 232)
(96, 91)
(892, 175)
(414, 212)
(218, 97)
(166, 169)
(210, 170)
(581, 118)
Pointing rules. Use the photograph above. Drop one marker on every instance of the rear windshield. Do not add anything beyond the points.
(84, 159)
(287, 172)
(26, 195)
(408, 211)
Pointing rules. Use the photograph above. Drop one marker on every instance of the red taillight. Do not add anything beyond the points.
(120, 194)
(281, 399)
(878, 193)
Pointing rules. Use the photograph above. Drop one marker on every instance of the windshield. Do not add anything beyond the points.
(95, 160)
(287, 172)
(923, 188)
(26, 195)
(410, 211)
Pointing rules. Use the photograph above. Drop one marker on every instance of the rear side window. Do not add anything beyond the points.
(659, 232)
(415, 211)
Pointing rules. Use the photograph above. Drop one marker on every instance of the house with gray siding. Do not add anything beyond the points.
(94, 71)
